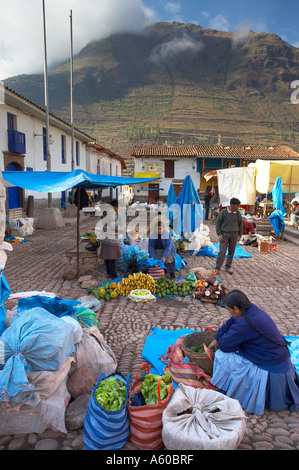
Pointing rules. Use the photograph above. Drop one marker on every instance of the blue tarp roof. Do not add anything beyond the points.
(56, 181)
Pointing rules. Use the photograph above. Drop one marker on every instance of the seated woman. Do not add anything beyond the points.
(161, 246)
(252, 363)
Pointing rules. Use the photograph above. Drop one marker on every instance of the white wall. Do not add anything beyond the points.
(30, 125)
(183, 167)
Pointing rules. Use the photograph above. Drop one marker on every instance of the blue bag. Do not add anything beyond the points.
(36, 340)
(4, 294)
(106, 430)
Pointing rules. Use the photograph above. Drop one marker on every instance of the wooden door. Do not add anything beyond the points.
(153, 194)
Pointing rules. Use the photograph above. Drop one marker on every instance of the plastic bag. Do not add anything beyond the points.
(36, 340)
(201, 419)
(146, 420)
(106, 430)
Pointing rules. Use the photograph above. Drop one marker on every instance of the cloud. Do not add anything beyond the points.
(173, 7)
(220, 23)
(176, 46)
(241, 34)
(21, 33)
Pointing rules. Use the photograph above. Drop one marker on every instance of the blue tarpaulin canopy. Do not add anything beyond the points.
(190, 207)
(171, 198)
(56, 181)
(276, 218)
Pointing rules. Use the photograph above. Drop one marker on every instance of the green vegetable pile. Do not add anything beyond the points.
(88, 234)
(111, 394)
(149, 388)
(171, 287)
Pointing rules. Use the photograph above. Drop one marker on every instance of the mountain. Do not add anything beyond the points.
(180, 84)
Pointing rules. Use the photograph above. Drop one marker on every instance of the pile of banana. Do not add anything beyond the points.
(136, 281)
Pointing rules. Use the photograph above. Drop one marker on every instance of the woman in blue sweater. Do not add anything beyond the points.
(252, 362)
(161, 246)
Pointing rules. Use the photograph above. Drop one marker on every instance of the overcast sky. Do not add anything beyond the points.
(21, 25)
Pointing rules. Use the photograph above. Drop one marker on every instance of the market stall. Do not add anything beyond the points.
(43, 181)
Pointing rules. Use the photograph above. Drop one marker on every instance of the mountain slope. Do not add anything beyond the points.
(178, 83)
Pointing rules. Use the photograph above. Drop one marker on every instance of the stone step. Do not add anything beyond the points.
(291, 235)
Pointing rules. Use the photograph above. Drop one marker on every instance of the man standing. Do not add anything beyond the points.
(208, 194)
(229, 228)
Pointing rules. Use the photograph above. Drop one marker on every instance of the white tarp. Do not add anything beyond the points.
(237, 182)
(268, 170)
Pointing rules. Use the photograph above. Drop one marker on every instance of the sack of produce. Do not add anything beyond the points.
(147, 401)
(106, 425)
(201, 419)
(37, 341)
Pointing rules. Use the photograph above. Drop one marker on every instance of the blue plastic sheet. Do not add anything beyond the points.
(171, 197)
(190, 207)
(36, 340)
(208, 251)
(157, 344)
(4, 294)
(277, 217)
(55, 305)
(56, 181)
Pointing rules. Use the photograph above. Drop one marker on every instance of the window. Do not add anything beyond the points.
(98, 168)
(63, 149)
(45, 143)
(11, 122)
(231, 164)
(77, 153)
(169, 169)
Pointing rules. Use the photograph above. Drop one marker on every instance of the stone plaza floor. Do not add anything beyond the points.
(269, 279)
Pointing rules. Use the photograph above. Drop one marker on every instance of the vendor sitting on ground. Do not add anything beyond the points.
(161, 246)
(252, 363)
(294, 216)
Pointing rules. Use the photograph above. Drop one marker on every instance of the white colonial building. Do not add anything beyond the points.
(23, 148)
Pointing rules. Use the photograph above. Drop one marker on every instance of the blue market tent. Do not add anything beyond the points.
(55, 181)
(190, 207)
(171, 198)
(277, 217)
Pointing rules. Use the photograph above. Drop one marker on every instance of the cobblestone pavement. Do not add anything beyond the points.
(269, 279)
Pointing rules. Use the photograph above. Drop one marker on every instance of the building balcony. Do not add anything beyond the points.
(16, 142)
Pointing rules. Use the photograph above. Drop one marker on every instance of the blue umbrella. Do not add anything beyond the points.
(277, 217)
(171, 198)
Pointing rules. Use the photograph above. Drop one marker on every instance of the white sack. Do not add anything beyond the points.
(94, 352)
(49, 413)
(215, 422)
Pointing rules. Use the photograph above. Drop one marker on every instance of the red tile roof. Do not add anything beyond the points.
(164, 151)
(275, 152)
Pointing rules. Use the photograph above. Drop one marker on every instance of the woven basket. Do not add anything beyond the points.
(202, 359)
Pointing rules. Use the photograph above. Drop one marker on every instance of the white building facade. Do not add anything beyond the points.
(168, 166)
(23, 145)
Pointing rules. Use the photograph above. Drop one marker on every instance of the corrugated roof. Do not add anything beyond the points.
(278, 152)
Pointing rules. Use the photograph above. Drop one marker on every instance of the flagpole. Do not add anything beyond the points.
(71, 87)
(46, 101)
